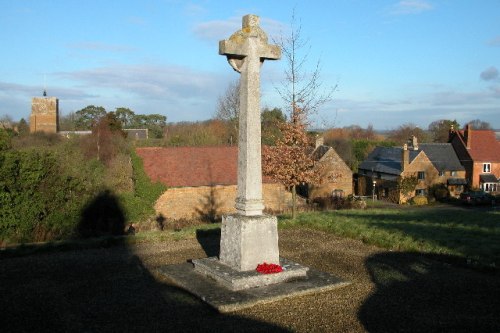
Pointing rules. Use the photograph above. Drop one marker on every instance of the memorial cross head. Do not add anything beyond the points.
(237, 47)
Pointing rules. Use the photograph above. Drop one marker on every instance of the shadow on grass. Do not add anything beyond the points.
(473, 234)
(104, 289)
(102, 216)
(209, 240)
(415, 293)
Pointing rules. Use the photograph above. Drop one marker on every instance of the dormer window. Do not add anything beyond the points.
(487, 167)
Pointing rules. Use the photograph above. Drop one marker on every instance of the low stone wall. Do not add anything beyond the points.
(211, 202)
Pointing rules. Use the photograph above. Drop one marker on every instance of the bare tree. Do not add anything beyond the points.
(290, 162)
(301, 89)
(404, 132)
(228, 107)
(479, 124)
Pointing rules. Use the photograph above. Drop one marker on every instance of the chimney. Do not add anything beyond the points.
(319, 141)
(468, 135)
(405, 158)
(414, 142)
(451, 133)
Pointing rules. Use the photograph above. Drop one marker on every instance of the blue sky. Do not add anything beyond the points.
(393, 62)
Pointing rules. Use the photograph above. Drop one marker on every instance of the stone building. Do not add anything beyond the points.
(337, 175)
(431, 163)
(44, 114)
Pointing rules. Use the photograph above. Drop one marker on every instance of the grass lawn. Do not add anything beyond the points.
(471, 234)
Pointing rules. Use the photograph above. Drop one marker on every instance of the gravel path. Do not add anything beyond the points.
(116, 289)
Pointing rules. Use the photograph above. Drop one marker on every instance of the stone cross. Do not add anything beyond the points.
(246, 50)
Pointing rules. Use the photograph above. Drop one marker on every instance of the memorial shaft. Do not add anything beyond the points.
(246, 50)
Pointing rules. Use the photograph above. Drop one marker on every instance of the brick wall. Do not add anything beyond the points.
(210, 202)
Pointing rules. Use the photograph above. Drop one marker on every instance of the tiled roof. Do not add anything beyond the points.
(484, 146)
(385, 160)
(388, 159)
(191, 166)
(442, 155)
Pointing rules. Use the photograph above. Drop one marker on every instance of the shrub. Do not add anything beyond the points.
(439, 192)
(419, 200)
(331, 203)
(357, 203)
(335, 203)
(5, 140)
(43, 191)
(139, 203)
(38, 200)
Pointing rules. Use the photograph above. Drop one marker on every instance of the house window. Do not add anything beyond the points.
(338, 193)
(489, 187)
(420, 192)
(421, 175)
(486, 167)
(441, 173)
(453, 173)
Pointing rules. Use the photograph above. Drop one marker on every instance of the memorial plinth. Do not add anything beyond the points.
(247, 241)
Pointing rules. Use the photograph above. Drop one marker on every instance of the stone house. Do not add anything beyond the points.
(340, 183)
(202, 182)
(430, 163)
(479, 153)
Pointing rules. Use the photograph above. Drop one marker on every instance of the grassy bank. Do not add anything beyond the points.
(470, 234)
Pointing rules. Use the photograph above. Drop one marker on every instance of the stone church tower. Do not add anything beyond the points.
(44, 114)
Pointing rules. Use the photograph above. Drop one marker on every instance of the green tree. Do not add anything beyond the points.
(271, 121)
(5, 140)
(126, 116)
(89, 116)
(440, 129)
(155, 123)
(23, 128)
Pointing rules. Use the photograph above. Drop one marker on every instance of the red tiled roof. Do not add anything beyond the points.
(191, 166)
(484, 146)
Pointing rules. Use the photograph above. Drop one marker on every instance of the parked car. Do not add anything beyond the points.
(477, 198)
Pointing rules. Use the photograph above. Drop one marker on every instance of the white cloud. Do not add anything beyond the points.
(495, 41)
(217, 29)
(221, 29)
(406, 7)
(147, 81)
(421, 109)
